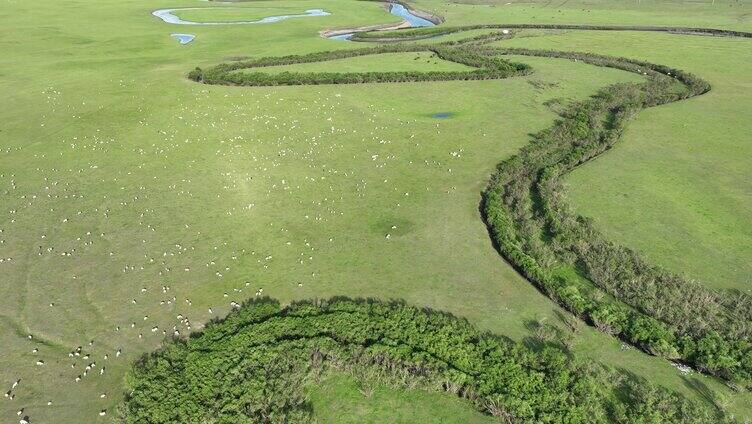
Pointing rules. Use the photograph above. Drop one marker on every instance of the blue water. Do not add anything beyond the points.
(415, 21)
(183, 38)
(167, 16)
(397, 10)
(343, 37)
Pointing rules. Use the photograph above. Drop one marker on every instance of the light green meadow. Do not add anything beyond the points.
(387, 62)
(345, 399)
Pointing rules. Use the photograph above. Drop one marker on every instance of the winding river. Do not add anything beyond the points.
(404, 13)
(168, 16)
(396, 9)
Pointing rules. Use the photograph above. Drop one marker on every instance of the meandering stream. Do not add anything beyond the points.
(168, 16)
(397, 10)
(404, 13)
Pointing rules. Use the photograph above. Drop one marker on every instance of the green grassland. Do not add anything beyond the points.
(339, 398)
(388, 62)
(158, 196)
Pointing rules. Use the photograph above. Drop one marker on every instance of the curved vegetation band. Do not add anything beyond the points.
(486, 68)
(609, 285)
(254, 367)
(559, 251)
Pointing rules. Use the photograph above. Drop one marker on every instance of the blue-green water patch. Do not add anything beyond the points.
(415, 21)
(169, 17)
(397, 10)
(183, 38)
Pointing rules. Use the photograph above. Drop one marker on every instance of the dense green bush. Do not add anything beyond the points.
(254, 367)
(623, 295)
(486, 68)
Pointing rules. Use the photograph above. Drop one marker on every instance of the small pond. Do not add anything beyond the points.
(183, 38)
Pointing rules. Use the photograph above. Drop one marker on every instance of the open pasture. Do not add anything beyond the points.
(387, 62)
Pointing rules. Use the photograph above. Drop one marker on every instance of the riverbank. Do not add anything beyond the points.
(422, 19)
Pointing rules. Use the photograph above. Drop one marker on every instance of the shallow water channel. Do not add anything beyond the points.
(415, 21)
(397, 10)
(168, 16)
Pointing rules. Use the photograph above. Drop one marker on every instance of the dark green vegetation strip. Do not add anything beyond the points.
(609, 285)
(486, 68)
(254, 367)
(427, 32)
(409, 34)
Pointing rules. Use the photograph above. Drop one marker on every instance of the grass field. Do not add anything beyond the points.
(339, 399)
(388, 62)
(131, 195)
